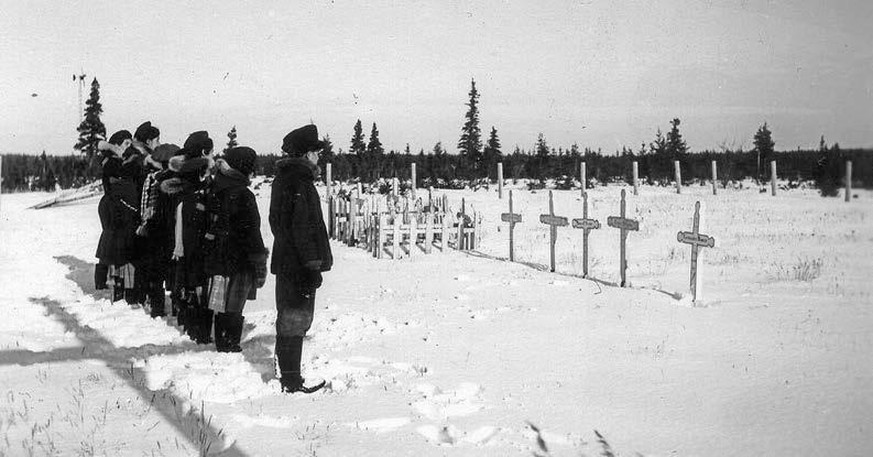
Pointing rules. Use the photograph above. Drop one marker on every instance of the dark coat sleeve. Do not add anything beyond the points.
(246, 224)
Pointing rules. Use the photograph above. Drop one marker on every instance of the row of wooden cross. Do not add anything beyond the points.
(694, 238)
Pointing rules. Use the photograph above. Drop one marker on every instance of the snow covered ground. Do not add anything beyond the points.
(457, 353)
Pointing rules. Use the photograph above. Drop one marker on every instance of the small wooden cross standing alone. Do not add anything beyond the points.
(554, 222)
(587, 225)
(624, 224)
(512, 218)
(697, 240)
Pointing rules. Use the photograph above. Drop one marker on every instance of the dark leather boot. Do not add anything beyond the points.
(204, 326)
(233, 331)
(101, 271)
(221, 332)
(157, 300)
(288, 354)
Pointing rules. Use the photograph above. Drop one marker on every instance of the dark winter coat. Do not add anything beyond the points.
(155, 231)
(119, 213)
(191, 194)
(234, 241)
(301, 248)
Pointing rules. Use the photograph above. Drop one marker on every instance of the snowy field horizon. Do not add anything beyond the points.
(459, 353)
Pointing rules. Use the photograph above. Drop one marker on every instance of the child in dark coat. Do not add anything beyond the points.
(236, 259)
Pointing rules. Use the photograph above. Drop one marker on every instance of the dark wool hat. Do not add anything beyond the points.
(198, 144)
(146, 132)
(241, 159)
(194, 166)
(302, 140)
(163, 152)
(118, 137)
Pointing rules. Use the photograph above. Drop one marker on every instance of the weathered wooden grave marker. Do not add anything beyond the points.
(553, 222)
(583, 175)
(512, 219)
(697, 240)
(395, 186)
(636, 177)
(678, 172)
(587, 225)
(625, 225)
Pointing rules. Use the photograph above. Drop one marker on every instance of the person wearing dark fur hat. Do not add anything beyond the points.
(154, 262)
(236, 259)
(301, 251)
(190, 190)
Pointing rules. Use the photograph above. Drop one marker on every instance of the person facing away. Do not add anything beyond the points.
(153, 231)
(112, 250)
(301, 251)
(235, 258)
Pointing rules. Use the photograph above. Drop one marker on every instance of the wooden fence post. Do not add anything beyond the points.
(848, 180)
(773, 177)
(714, 177)
(500, 180)
(414, 180)
(583, 175)
(636, 176)
(395, 186)
(678, 174)
(328, 179)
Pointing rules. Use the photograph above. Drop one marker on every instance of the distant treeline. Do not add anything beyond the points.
(823, 167)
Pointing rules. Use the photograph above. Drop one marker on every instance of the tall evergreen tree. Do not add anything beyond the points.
(358, 146)
(91, 130)
(542, 146)
(231, 139)
(374, 146)
(470, 144)
(492, 149)
(676, 146)
(764, 145)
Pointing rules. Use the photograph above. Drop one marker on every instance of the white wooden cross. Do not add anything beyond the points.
(697, 240)
(587, 225)
(553, 222)
(625, 225)
(512, 218)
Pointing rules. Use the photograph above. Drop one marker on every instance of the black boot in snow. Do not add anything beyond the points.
(101, 271)
(233, 331)
(288, 353)
(157, 300)
(117, 289)
(221, 332)
(203, 326)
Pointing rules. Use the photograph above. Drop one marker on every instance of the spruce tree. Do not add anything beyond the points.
(470, 144)
(764, 147)
(358, 146)
(542, 146)
(492, 149)
(231, 139)
(676, 146)
(374, 146)
(91, 130)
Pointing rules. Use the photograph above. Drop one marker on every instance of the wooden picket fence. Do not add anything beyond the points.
(401, 227)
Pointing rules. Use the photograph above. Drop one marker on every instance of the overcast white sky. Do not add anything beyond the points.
(600, 73)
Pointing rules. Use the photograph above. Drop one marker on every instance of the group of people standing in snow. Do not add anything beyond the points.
(183, 222)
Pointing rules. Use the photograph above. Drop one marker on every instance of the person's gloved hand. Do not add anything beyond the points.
(310, 280)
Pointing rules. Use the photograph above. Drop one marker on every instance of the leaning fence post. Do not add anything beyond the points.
(678, 173)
